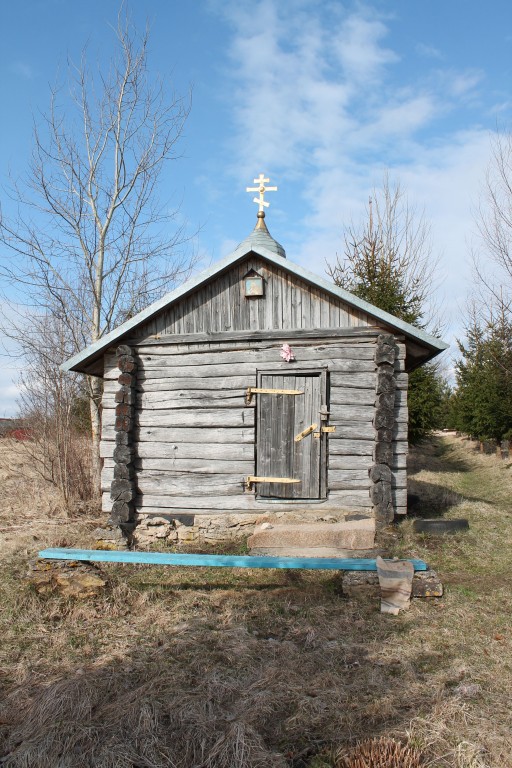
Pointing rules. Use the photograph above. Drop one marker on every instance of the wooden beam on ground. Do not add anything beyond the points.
(219, 561)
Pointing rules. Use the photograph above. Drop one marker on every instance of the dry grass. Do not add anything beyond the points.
(224, 668)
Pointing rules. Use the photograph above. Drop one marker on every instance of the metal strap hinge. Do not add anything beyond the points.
(252, 479)
(259, 391)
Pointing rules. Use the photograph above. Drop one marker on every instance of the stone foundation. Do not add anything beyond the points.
(191, 529)
(365, 584)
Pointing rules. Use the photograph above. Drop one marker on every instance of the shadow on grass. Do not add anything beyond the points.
(234, 680)
(436, 455)
(426, 499)
(429, 500)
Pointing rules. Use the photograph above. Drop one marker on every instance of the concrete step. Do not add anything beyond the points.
(340, 536)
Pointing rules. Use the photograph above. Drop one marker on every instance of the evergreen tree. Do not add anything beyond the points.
(482, 404)
(388, 263)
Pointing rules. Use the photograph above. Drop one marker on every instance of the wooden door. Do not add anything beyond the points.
(281, 418)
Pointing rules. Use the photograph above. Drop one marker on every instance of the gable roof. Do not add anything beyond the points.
(261, 244)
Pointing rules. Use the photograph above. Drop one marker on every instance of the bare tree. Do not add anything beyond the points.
(90, 243)
(493, 274)
(53, 405)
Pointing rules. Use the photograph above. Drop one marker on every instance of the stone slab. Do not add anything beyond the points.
(349, 535)
(313, 552)
(363, 584)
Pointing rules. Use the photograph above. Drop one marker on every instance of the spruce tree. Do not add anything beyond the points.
(387, 263)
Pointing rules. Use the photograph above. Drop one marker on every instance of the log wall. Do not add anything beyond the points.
(194, 436)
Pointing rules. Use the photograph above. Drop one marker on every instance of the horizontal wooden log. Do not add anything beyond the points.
(199, 450)
(147, 373)
(352, 396)
(347, 430)
(357, 413)
(336, 502)
(178, 483)
(361, 380)
(353, 447)
(363, 334)
(188, 484)
(350, 462)
(153, 356)
(219, 417)
(247, 502)
(209, 383)
(399, 496)
(363, 462)
(343, 479)
(107, 448)
(398, 478)
(176, 435)
(196, 398)
(211, 466)
(185, 484)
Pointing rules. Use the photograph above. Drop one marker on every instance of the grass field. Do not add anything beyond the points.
(236, 668)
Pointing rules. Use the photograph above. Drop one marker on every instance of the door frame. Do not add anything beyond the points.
(322, 371)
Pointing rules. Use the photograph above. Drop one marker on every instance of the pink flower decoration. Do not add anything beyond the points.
(286, 353)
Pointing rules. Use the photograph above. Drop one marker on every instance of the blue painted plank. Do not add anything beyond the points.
(219, 561)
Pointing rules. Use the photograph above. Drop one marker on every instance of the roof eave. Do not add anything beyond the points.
(87, 357)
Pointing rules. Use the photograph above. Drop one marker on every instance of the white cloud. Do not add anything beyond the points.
(318, 102)
(428, 51)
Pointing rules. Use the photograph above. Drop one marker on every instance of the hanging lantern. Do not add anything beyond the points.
(253, 285)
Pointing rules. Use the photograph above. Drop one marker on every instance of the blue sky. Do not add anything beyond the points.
(324, 97)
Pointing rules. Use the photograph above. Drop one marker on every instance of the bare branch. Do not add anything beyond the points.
(89, 226)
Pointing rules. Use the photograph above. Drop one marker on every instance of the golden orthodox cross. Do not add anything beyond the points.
(261, 188)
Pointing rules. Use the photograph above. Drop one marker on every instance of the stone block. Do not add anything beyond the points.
(123, 439)
(123, 394)
(123, 472)
(361, 584)
(427, 584)
(385, 382)
(383, 419)
(122, 490)
(186, 535)
(385, 400)
(126, 363)
(123, 409)
(121, 512)
(67, 578)
(123, 454)
(380, 472)
(126, 379)
(123, 424)
(311, 552)
(385, 353)
(383, 452)
(351, 535)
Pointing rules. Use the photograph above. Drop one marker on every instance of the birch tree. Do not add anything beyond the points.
(89, 242)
